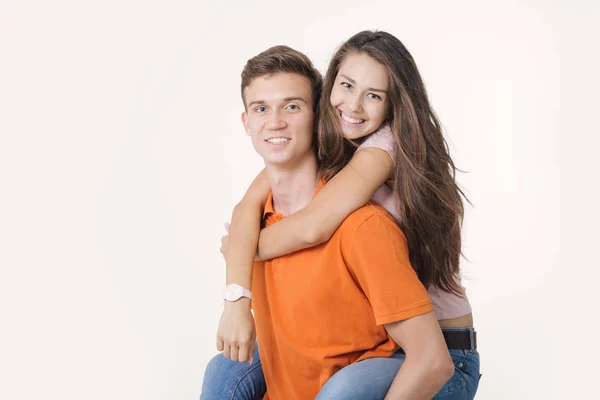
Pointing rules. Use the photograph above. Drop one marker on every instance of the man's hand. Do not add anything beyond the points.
(236, 336)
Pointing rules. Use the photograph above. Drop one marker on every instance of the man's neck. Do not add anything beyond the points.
(293, 187)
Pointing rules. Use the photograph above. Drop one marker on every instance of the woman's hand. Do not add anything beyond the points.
(225, 244)
(225, 241)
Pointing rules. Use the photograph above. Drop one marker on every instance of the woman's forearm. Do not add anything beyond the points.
(350, 189)
(291, 234)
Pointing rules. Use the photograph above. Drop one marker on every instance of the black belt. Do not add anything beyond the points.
(460, 339)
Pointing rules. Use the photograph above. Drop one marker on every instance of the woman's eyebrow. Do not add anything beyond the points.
(352, 81)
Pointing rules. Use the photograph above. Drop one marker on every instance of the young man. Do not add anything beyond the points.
(353, 298)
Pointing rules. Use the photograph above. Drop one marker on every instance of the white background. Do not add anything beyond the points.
(122, 155)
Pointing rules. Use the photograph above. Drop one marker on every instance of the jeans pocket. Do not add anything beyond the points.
(458, 380)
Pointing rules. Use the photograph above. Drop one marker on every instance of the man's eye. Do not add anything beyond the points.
(292, 107)
(260, 109)
(374, 96)
(346, 85)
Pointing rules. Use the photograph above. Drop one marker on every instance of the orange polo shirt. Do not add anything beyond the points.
(321, 309)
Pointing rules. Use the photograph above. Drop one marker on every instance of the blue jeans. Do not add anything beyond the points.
(369, 379)
(232, 380)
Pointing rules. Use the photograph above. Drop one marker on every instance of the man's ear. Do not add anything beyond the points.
(245, 122)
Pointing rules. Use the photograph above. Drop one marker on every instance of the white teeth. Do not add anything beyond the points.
(351, 120)
(278, 140)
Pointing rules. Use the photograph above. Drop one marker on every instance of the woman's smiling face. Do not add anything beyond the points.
(360, 95)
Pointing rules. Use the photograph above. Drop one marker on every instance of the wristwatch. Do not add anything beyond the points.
(234, 292)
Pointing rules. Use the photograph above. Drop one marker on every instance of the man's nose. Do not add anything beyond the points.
(277, 120)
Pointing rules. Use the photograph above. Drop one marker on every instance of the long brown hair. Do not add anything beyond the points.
(424, 176)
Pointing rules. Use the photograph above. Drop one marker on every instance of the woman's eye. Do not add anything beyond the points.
(292, 107)
(374, 96)
(346, 85)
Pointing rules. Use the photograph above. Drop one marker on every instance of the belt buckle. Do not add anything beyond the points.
(473, 339)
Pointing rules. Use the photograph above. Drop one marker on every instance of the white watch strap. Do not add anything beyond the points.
(234, 292)
(246, 293)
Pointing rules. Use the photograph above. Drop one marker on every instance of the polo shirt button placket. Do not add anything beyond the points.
(277, 272)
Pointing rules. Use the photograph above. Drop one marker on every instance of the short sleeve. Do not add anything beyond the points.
(377, 255)
(382, 138)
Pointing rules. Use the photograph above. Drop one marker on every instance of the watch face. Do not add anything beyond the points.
(232, 293)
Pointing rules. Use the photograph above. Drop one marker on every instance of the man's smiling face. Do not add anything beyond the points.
(279, 117)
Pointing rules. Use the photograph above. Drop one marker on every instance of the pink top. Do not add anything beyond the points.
(446, 305)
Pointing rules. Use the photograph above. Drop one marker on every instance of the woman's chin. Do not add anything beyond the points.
(352, 133)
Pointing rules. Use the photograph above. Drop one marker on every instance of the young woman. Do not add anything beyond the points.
(379, 139)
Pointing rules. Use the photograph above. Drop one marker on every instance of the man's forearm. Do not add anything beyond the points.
(243, 239)
(418, 380)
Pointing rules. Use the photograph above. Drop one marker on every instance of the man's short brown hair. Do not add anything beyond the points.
(283, 59)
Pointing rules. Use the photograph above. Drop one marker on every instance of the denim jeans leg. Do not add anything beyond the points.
(232, 380)
(371, 379)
